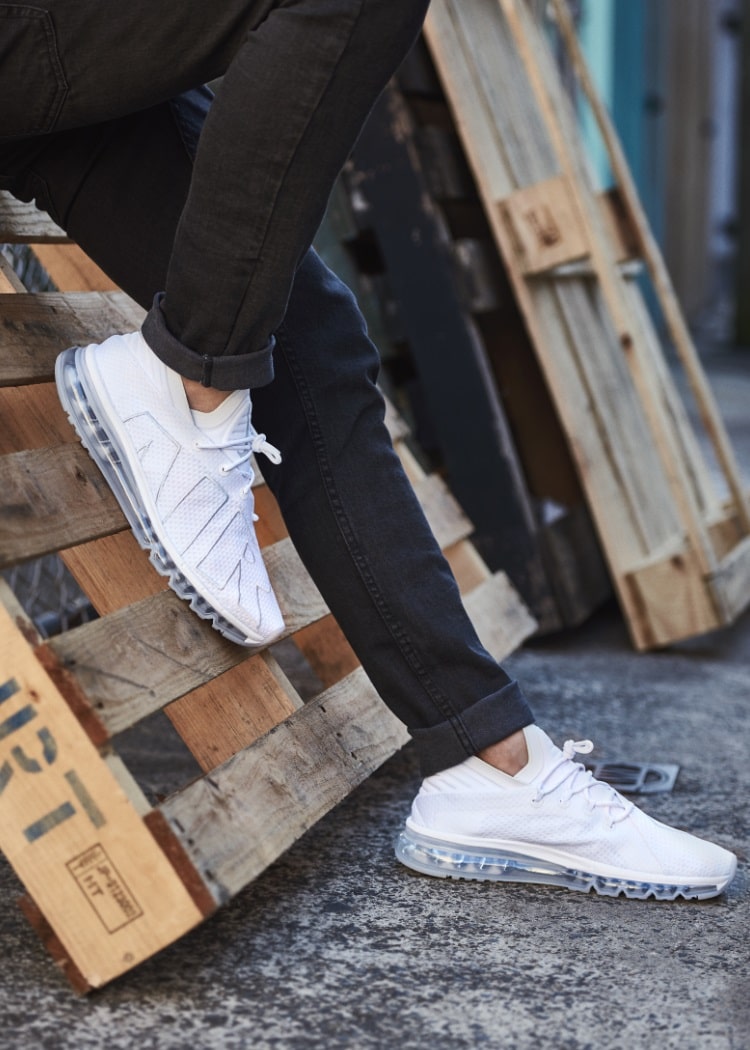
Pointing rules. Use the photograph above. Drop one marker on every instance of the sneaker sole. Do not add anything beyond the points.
(433, 857)
(100, 446)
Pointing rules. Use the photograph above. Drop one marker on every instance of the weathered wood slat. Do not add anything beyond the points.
(71, 833)
(648, 485)
(56, 497)
(500, 619)
(34, 329)
(447, 520)
(71, 270)
(52, 498)
(251, 809)
(133, 662)
(621, 450)
(646, 243)
(672, 595)
(22, 223)
(704, 492)
(732, 580)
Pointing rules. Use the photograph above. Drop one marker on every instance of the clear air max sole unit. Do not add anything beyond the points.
(431, 856)
(80, 404)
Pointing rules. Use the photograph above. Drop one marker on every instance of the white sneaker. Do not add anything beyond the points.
(182, 479)
(553, 823)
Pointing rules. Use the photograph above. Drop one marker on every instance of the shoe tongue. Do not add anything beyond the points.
(230, 421)
(541, 752)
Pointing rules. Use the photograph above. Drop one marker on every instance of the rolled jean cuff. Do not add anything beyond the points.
(489, 720)
(230, 372)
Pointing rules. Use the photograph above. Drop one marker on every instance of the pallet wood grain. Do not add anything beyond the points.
(52, 498)
(648, 485)
(35, 328)
(257, 804)
(22, 223)
(70, 831)
(138, 659)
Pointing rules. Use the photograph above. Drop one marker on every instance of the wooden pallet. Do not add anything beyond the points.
(678, 548)
(111, 876)
(459, 348)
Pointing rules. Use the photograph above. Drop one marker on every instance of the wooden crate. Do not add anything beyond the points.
(677, 543)
(111, 876)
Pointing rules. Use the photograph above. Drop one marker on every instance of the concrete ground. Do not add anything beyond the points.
(337, 946)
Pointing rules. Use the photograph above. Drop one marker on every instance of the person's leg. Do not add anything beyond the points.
(354, 518)
(348, 505)
(298, 80)
(551, 822)
(285, 118)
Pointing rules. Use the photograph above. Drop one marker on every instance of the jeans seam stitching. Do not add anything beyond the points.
(442, 703)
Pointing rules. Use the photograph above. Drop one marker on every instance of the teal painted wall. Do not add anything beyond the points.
(596, 33)
(622, 41)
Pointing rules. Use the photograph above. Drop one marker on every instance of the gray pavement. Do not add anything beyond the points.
(337, 946)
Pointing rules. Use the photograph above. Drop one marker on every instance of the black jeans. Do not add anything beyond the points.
(106, 126)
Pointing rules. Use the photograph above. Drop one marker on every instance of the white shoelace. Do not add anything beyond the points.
(247, 447)
(574, 779)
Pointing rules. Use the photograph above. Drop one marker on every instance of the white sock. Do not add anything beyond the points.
(220, 424)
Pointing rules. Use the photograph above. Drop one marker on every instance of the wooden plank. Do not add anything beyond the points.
(697, 474)
(72, 835)
(257, 804)
(673, 599)
(72, 269)
(446, 518)
(731, 582)
(327, 650)
(473, 44)
(619, 419)
(22, 223)
(500, 618)
(34, 329)
(138, 659)
(466, 565)
(660, 276)
(545, 225)
(52, 498)
(264, 679)
(516, 126)
(612, 294)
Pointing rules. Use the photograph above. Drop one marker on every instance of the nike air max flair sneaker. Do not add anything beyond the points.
(553, 823)
(182, 478)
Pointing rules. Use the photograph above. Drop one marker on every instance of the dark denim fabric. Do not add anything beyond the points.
(119, 173)
(298, 80)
